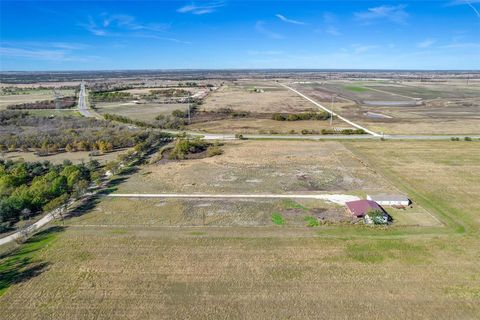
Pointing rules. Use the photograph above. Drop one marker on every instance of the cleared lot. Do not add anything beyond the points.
(241, 96)
(249, 167)
(143, 112)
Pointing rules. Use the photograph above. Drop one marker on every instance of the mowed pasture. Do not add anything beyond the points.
(111, 267)
(141, 111)
(444, 176)
(410, 107)
(237, 273)
(31, 96)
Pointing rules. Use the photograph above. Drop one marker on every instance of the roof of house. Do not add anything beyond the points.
(360, 207)
(387, 197)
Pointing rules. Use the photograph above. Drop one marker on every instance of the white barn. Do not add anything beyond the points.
(389, 199)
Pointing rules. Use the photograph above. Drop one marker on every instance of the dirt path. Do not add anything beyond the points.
(335, 198)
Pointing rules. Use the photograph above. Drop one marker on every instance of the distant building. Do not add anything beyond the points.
(390, 199)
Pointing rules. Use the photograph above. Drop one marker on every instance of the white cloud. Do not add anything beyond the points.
(333, 31)
(200, 9)
(462, 45)
(285, 19)
(260, 27)
(426, 43)
(395, 14)
(263, 53)
(363, 48)
(122, 25)
(44, 51)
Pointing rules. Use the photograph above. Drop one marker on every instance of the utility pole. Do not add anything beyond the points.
(189, 113)
(331, 111)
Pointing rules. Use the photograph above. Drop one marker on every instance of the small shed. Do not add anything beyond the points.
(390, 199)
(359, 208)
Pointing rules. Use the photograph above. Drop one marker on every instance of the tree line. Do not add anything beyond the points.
(62, 103)
(27, 188)
(301, 116)
(20, 130)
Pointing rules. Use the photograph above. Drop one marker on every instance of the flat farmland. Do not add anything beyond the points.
(145, 259)
(262, 126)
(31, 96)
(141, 111)
(404, 108)
(240, 96)
(443, 176)
(255, 167)
(262, 167)
(237, 273)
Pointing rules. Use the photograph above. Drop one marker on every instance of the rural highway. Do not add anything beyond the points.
(335, 198)
(82, 104)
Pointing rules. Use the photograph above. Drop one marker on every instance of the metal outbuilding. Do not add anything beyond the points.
(390, 199)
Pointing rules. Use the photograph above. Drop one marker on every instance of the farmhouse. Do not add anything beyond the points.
(369, 210)
(359, 208)
(389, 199)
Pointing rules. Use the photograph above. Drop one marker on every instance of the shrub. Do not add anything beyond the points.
(183, 147)
(277, 219)
(214, 151)
(468, 139)
(179, 113)
(311, 221)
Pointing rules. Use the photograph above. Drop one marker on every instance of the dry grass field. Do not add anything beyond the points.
(247, 167)
(240, 96)
(412, 107)
(446, 172)
(31, 96)
(124, 261)
(142, 112)
(265, 167)
(117, 273)
(264, 126)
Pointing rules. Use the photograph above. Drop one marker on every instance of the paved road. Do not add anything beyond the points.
(82, 104)
(37, 225)
(229, 136)
(335, 198)
(332, 112)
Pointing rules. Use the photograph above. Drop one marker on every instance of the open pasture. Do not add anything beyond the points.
(267, 272)
(406, 108)
(140, 259)
(252, 125)
(259, 167)
(142, 111)
(32, 95)
(241, 96)
(443, 176)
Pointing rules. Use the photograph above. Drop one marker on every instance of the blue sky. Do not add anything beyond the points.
(90, 35)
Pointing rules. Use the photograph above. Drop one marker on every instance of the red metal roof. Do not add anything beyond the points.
(360, 207)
